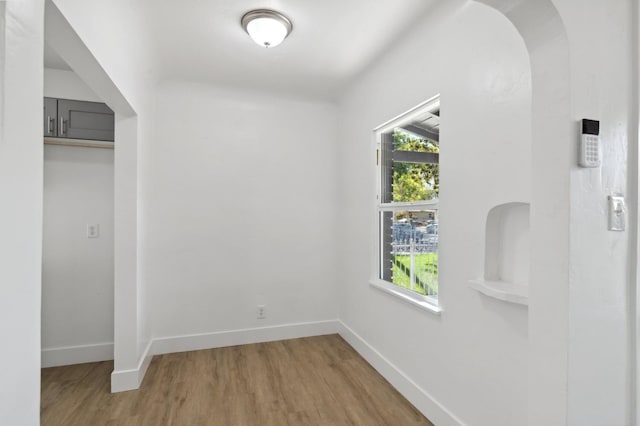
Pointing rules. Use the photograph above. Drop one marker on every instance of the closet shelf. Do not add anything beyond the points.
(78, 142)
(503, 290)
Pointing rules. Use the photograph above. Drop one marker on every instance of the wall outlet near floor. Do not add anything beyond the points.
(93, 231)
(262, 311)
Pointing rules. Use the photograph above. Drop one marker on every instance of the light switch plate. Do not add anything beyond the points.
(617, 213)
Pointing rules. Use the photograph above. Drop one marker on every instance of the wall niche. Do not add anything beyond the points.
(506, 264)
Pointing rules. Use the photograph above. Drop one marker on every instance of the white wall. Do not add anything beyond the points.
(65, 84)
(601, 292)
(472, 359)
(240, 207)
(21, 46)
(106, 44)
(592, 358)
(77, 276)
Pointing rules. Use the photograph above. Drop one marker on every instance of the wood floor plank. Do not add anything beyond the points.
(310, 381)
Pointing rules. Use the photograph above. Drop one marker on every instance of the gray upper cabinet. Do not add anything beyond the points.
(69, 119)
(85, 120)
(49, 117)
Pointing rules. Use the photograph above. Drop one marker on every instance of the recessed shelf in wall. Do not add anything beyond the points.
(502, 290)
(506, 265)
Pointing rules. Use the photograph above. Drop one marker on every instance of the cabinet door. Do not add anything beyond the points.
(85, 120)
(49, 117)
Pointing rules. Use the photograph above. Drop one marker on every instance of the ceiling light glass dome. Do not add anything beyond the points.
(266, 27)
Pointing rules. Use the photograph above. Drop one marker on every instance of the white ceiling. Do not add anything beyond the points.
(331, 42)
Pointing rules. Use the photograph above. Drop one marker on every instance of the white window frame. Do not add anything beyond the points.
(427, 303)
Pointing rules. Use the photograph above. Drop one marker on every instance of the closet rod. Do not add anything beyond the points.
(84, 144)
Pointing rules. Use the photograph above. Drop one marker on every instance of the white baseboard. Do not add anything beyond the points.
(424, 402)
(126, 380)
(55, 357)
(195, 342)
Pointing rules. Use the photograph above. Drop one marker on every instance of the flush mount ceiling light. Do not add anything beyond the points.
(266, 27)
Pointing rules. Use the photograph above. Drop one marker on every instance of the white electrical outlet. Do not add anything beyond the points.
(93, 231)
(262, 311)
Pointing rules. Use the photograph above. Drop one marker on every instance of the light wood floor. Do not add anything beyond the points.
(310, 381)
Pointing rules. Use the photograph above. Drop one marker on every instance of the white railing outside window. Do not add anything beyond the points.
(409, 247)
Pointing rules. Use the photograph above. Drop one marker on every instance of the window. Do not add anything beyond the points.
(407, 202)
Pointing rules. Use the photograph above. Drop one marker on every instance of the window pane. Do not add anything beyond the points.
(410, 250)
(415, 182)
(405, 141)
(410, 170)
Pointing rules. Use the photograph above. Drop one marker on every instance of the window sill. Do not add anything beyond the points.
(417, 300)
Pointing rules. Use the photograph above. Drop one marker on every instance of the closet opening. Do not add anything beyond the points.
(78, 220)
